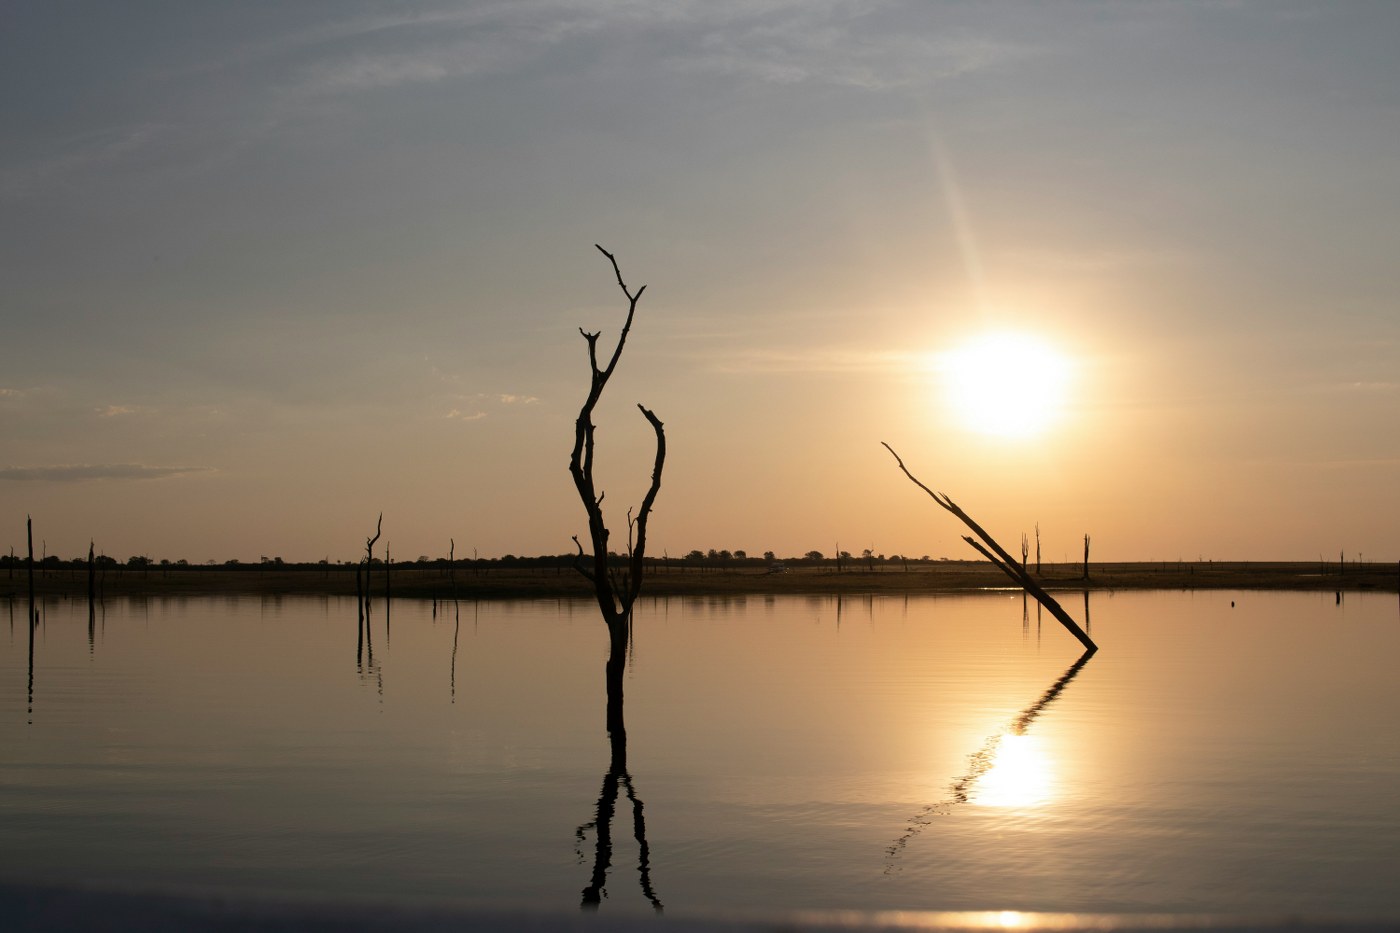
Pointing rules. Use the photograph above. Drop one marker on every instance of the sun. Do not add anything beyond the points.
(1006, 384)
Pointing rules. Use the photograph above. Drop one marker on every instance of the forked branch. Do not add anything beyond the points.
(615, 594)
(994, 552)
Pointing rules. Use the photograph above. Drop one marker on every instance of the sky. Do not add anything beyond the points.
(271, 269)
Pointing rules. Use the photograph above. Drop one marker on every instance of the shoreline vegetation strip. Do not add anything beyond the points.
(682, 579)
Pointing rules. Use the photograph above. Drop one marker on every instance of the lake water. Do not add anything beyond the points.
(932, 753)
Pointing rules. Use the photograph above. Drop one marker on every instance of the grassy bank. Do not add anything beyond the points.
(679, 580)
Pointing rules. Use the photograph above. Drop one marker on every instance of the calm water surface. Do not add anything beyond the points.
(783, 753)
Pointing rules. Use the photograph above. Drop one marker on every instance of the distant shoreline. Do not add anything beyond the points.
(680, 580)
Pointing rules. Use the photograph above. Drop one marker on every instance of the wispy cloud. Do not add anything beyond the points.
(99, 471)
(820, 360)
(384, 52)
(71, 157)
(806, 48)
(116, 411)
(854, 43)
(474, 413)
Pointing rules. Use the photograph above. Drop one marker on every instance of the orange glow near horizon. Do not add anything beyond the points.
(1006, 384)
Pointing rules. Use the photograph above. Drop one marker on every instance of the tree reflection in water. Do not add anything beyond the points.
(615, 778)
(981, 762)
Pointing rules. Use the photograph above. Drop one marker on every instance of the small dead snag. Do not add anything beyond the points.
(994, 552)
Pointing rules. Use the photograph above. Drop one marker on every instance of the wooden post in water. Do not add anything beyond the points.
(33, 613)
(994, 552)
(1086, 557)
(92, 593)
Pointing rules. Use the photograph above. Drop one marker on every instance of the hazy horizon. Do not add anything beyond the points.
(271, 270)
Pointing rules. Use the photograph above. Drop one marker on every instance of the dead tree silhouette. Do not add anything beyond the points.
(994, 552)
(616, 590)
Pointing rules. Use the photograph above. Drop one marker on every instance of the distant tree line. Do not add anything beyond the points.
(710, 559)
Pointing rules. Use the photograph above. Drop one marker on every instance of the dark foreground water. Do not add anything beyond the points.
(783, 753)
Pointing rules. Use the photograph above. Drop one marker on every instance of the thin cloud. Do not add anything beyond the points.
(438, 47)
(838, 42)
(78, 155)
(508, 399)
(803, 49)
(100, 471)
(459, 415)
(116, 411)
(820, 360)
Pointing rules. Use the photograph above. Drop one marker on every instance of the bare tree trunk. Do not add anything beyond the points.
(994, 552)
(1037, 548)
(1086, 557)
(615, 592)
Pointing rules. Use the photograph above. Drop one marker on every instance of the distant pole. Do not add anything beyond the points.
(1086, 557)
(33, 615)
(92, 591)
(1037, 547)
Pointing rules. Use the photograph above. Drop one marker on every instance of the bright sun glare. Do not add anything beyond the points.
(1005, 384)
(1020, 776)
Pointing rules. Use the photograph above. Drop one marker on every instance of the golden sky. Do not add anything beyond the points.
(270, 270)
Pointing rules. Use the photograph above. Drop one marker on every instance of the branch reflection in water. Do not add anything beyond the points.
(365, 666)
(995, 752)
(617, 776)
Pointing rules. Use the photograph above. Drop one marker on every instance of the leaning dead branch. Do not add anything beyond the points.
(988, 547)
(615, 592)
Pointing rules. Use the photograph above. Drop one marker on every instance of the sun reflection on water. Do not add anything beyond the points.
(1021, 774)
(1011, 769)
